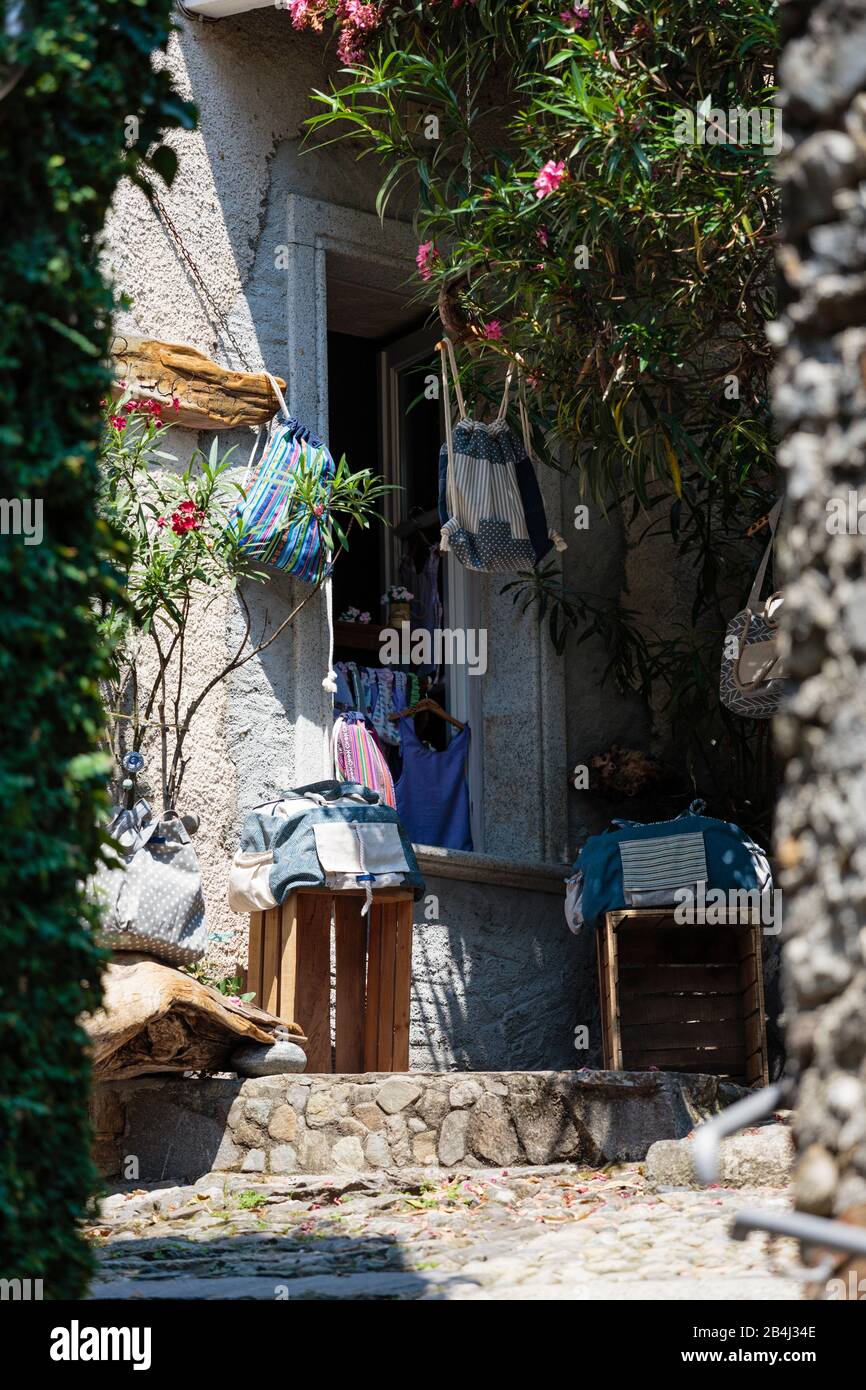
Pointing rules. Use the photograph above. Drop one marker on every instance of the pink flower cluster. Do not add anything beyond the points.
(357, 19)
(306, 14)
(188, 517)
(427, 254)
(577, 17)
(549, 178)
(146, 408)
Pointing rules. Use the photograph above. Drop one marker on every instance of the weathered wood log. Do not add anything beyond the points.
(209, 397)
(157, 1019)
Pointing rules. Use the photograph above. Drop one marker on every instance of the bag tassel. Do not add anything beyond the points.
(364, 877)
(330, 681)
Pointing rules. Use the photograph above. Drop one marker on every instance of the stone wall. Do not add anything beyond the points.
(181, 1128)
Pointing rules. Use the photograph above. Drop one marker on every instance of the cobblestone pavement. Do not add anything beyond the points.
(545, 1233)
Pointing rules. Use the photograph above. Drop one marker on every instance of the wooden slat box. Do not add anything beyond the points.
(290, 972)
(682, 997)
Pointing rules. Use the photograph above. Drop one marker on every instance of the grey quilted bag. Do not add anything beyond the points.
(152, 902)
(752, 678)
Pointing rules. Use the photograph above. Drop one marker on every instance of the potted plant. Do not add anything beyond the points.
(396, 600)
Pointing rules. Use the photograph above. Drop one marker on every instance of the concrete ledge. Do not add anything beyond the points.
(484, 868)
(181, 1128)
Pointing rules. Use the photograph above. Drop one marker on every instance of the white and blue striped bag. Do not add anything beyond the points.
(490, 504)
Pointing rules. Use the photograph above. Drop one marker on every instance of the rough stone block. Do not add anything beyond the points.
(284, 1159)
(465, 1093)
(347, 1153)
(396, 1094)
(452, 1137)
(283, 1124)
(424, 1148)
(369, 1115)
(491, 1135)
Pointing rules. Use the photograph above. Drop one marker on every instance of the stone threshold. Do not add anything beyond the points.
(180, 1128)
(534, 875)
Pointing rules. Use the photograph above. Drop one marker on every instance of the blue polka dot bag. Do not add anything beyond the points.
(490, 505)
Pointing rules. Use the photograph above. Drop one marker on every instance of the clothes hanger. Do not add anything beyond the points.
(434, 708)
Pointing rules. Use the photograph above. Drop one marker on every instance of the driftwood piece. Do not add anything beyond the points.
(210, 397)
(157, 1019)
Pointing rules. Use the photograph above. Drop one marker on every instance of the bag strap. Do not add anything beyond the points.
(446, 351)
(524, 414)
(284, 409)
(755, 593)
(503, 409)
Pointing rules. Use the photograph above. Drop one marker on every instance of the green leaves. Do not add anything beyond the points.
(62, 153)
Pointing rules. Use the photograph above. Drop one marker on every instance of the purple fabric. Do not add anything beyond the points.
(433, 794)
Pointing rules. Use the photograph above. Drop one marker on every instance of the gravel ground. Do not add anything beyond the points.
(545, 1233)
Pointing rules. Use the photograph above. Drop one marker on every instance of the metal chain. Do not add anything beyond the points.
(164, 216)
(468, 124)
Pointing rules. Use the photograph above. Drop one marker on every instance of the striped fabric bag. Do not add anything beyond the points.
(358, 756)
(490, 504)
(653, 870)
(274, 526)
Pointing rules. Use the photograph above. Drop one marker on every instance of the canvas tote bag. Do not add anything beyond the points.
(752, 676)
(152, 901)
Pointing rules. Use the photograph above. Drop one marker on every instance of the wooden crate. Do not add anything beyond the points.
(682, 997)
(290, 972)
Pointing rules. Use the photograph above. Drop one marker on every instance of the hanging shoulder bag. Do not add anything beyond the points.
(152, 899)
(752, 675)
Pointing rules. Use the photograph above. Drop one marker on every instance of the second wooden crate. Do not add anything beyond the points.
(682, 997)
(290, 973)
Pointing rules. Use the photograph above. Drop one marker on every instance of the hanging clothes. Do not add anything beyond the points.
(432, 791)
(426, 607)
(378, 692)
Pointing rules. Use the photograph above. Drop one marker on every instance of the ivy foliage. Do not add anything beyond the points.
(82, 106)
(586, 201)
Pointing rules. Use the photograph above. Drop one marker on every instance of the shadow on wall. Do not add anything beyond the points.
(499, 983)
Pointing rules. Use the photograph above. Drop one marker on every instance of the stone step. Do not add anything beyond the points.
(761, 1157)
(158, 1128)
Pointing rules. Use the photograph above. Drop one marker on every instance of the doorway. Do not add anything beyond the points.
(385, 413)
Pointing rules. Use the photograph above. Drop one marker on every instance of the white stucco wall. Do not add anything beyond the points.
(251, 78)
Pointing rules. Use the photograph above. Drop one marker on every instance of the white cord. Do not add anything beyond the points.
(330, 681)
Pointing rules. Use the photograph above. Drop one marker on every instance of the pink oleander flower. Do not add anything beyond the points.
(577, 17)
(543, 236)
(305, 14)
(549, 178)
(427, 253)
(117, 421)
(363, 14)
(493, 329)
